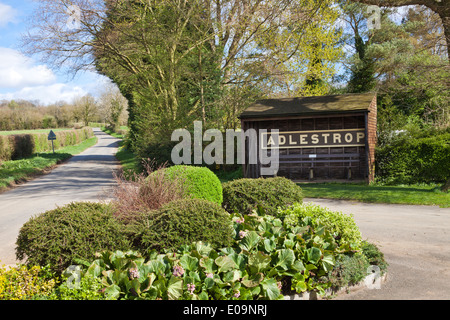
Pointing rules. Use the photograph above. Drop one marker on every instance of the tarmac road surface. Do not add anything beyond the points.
(84, 177)
(415, 241)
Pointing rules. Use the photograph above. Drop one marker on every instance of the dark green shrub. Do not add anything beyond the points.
(245, 195)
(348, 270)
(78, 230)
(374, 255)
(23, 146)
(415, 160)
(182, 222)
(199, 182)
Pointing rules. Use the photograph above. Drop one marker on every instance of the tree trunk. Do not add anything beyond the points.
(446, 186)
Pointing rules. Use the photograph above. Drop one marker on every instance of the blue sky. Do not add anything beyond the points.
(27, 78)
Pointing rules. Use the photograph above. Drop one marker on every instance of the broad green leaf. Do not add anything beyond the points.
(313, 255)
(208, 264)
(253, 280)
(209, 283)
(175, 288)
(300, 286)
(298, 266)
(239, 260)
(270, 288)
(189, 263)
(112, 292)
(250, 241)
(94, 270)
(232, 276)
(202, 249)
(289, 244)
(225, 263)
(259, 261)
(156, 266)
(285, 258)
(328, 261)
(203, 296)
(269, 245)
(147, 283)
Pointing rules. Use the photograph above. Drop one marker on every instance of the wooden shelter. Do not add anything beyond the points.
(320, 138)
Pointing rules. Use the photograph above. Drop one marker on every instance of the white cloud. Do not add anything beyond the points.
(7, 14)
(46, 94)
(18, 71)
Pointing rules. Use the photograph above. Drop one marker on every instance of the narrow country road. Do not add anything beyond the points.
(85, 177)
(415, 241)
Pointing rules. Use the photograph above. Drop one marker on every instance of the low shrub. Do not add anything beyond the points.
(199, 182)
(342, 226)
(374, 255)
(245, 195)
(82, 288)
(182, 222)
(349, 270)
(25, 283)
(78, 230)
(143, 192)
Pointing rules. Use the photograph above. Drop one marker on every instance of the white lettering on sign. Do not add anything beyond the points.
(316, 139)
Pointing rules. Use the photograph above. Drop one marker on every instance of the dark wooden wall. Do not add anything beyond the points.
(332, 170)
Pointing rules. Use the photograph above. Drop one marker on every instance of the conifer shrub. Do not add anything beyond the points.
(245, 195)
(182, 222)
(76, 231)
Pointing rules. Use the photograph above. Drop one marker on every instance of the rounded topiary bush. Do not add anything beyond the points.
(76, 231)
(245, 195)
(198, 182)
(182, 222)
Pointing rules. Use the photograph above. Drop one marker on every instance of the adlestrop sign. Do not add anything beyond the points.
(313, 139)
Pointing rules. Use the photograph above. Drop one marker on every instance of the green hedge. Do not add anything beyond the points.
(77, 231)
(245, 195)
(415, 160)
(199, 182)
(18, 146)
(182, 222)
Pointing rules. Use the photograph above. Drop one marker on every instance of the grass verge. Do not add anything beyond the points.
(6, 133)
(399, 194)
(17, 171)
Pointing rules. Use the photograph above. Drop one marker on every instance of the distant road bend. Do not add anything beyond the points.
(85, 177)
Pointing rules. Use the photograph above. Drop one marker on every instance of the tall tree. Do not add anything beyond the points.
(441, 7)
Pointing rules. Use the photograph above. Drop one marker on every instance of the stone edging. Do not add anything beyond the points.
(312, 295)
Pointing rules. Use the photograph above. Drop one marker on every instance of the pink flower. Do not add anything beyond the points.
(237, 294)
(178, 271)
(279, 285)
(242, 234)
(209, 275)
(134, 273)
(239, 221)
(191, 288)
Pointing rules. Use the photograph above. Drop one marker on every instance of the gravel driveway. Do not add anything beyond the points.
(415, 241)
